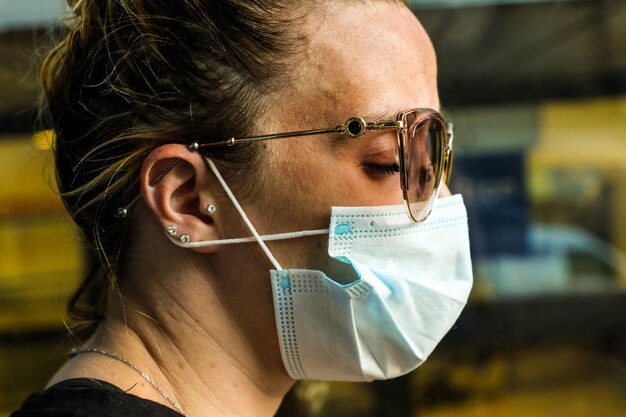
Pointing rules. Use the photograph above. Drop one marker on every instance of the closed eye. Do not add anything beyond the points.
(382, 169)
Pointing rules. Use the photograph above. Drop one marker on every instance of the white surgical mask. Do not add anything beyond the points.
(413, 281)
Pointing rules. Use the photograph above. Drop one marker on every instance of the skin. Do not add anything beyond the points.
(201, 322)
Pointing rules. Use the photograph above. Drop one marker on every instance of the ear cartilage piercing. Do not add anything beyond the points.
(210, 209)
(185, 239)
(122, 212)
(171, 230)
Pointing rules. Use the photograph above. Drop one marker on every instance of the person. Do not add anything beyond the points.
(264, 185)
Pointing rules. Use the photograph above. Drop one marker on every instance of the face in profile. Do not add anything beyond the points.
(369, 61)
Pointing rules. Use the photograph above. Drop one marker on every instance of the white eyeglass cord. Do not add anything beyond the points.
(260, 239)
(243, 215)
(265, 238)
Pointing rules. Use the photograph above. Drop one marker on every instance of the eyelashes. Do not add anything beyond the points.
(382, 169)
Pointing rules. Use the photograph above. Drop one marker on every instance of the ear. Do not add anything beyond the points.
(180, 197)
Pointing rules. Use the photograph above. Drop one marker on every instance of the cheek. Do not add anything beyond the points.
(306, 178)
(313, 182)
(294, 191)
(301, 184)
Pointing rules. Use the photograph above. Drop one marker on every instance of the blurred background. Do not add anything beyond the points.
(537, 92)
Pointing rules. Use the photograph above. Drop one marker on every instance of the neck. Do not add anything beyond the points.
(209, 347)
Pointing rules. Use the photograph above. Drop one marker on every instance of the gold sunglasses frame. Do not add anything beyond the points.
(444, 164)
(354, 128)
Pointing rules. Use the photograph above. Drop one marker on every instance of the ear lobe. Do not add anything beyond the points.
(175, 198)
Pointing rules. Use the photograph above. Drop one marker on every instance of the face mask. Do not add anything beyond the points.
(412, 281)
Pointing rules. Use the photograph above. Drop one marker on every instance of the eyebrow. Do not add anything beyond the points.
(380, 115)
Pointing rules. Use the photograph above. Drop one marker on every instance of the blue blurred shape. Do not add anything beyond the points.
(494, 189)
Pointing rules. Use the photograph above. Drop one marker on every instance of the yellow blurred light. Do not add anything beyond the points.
(44, 140)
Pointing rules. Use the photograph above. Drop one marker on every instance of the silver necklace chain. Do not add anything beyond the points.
(77, 351)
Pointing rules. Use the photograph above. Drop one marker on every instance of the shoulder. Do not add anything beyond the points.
(84, 397)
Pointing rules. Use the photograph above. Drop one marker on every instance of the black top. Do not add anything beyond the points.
(82, 397)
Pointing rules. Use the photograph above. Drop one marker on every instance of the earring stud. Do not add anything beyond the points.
(171, 230)
(210, 208)
(185, 239)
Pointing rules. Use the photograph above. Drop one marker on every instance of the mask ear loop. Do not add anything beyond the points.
(243, 215)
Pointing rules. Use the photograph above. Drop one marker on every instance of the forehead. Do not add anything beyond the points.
(366, 60)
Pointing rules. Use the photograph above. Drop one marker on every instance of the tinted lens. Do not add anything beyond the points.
(424, 138)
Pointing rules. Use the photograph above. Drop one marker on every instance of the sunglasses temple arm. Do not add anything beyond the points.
(341, 129)
(235, 141)
(123, 211)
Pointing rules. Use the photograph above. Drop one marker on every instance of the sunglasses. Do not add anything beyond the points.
(424, 151)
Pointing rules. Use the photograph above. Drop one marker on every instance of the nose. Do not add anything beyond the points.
(444, 191)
